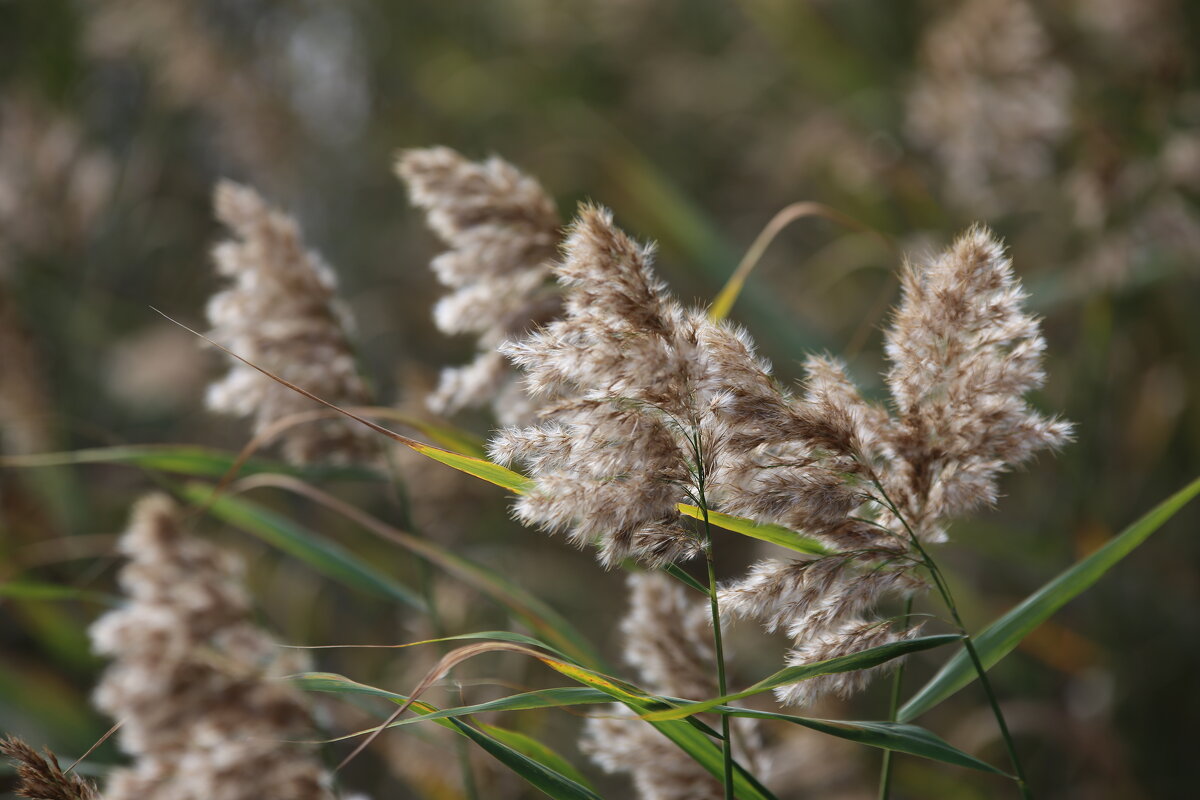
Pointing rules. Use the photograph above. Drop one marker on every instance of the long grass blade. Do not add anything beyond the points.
(191, 460)
(723, 303)
(40, 590)
(538, 772)
(775, 534)
(531, 748)
(319, 552)
(999, 638)
(855, 661)
(896, 736)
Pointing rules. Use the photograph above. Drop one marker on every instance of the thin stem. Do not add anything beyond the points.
(885, 773)
(718, 646)
(944, 590)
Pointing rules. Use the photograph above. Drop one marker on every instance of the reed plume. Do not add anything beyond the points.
(53, 183)
(963, 355)
(194, 682)
(659, 405)
(502, 229)
(990, 102)
(41, 778)
(282, 313)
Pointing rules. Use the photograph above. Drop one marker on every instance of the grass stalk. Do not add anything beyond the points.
(718, 644)
(943, 589)
(885, 772)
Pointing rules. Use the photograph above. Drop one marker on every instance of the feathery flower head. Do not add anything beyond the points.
(991, 102)
(193, 681)
(656, 405)
(41, 778)
(282, 313)
(608, 460)
(963, 356)
(502, 228)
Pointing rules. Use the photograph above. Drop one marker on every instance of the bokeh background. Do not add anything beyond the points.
(1072, 127)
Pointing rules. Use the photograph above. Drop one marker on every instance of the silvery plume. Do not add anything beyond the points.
(990, 102)
(195, 683)
(501, 229)
(963, 355)
(281, 312)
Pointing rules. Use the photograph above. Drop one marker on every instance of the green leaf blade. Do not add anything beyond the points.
(1003, 635)
(849, 663)
(775, 534)
(321, 553)
(902, 738)
(191, 460)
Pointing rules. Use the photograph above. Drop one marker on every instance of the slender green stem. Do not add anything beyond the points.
(944, 590)
(885, 773)
(722, 687)
(718, 645)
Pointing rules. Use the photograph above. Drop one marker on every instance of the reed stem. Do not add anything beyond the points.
(885, 773)
(944, 590)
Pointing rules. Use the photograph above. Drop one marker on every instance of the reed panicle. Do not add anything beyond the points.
(658, 405)
(41, 778)
(194, 682)
(282, 313)
(990, 102)
(501, 228)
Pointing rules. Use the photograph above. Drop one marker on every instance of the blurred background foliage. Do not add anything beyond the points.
(1072, 128)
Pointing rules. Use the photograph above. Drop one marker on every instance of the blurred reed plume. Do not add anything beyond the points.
(53, 182)
(195, 683)
(990, 102)
(502, 231)
(667, 638)
(41, 778)
(24, 407)
(196, 63)
(282, 313)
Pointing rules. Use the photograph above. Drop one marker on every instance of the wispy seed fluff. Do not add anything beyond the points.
(281, 312)
(990, 101)
(502, 229)
(41, 778)
(656, 402)
(668, 640)
(963, 355)
(194, 681)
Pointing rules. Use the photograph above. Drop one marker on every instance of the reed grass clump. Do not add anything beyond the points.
(640, 426)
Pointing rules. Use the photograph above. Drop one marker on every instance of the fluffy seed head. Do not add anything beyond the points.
(41, 777)
(281, 312)
(194, 682)
(501, 228)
